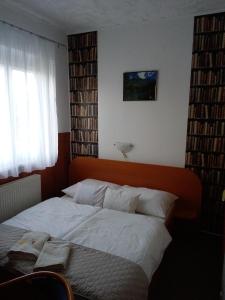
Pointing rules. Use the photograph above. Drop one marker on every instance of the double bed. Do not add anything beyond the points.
(116, 250)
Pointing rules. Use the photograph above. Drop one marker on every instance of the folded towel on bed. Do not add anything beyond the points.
(53, 257)
(29, 246)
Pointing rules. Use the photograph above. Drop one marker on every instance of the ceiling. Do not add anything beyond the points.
(74, 16)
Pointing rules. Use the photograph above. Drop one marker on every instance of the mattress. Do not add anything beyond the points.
(56, 216)
(138, 238)
(141, 239)
(92, 274)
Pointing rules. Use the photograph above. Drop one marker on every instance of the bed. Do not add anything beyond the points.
(118, 251)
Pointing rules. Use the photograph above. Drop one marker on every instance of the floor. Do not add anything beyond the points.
(191, 269)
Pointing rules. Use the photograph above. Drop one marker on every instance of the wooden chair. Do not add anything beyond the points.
(37, 286)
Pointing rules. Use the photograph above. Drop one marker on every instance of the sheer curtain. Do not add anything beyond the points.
(28, 117)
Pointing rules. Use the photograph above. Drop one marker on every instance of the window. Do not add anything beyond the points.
(28, 117)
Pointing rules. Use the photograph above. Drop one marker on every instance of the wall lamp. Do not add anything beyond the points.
(124, 148)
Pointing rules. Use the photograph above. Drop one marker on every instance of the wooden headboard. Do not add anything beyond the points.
(182, 182)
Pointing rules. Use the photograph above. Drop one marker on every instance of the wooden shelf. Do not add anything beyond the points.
(83, 90)
(87, 117)
(203, 167)
(82, 62)
(206, 85)
(84, 142)
(206, 135)
(206, 103)
(206, 119)
(79, 154)
(83, 103)
(83, 76)
(208, 68)
(83, 114)
(214, 184)
(209, 32)
(82, 48)
(205, 153)
(84, 129)
(208, 50)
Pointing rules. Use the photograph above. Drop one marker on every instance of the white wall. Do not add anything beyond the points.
(38, 26)
(157, 129)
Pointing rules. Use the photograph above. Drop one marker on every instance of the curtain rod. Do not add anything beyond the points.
(28, 31)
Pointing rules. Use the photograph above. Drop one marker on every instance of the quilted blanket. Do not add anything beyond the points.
(92, 274)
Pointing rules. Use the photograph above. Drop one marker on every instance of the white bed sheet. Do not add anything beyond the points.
(56, 216)
(141, 239)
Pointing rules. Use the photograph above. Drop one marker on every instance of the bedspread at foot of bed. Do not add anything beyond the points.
(92, 274)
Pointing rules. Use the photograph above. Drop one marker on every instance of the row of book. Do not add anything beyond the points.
(85, 149)
(206, 128)
(213, 194)
(206, 144)
(84, 110)
(83, 93)
(208, 77)
(213, 183)
(210, 176)
(212, 216)
(84, 136)
(210, 23)
(83, 69)
(84, 123)
(85, 83)
(205, 160)
(204, 111)
(85, 96)
(208, 59)
(206, 125)
(207, 94)
(84, 55)
(82, 40)
(213, 206)
(209, 42)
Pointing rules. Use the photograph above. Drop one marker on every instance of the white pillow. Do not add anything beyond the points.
(71, 190)
(89, 191)
(89, 194)
(120, 199)
(152, 202)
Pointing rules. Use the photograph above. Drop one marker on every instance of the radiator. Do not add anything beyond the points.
(19, 195)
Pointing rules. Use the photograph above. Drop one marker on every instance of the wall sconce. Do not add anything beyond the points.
(124, 148)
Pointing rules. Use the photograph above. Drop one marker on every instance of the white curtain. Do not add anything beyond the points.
(28, 117)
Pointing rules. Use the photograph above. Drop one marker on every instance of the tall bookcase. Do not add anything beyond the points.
(205, 149)
(83, 94)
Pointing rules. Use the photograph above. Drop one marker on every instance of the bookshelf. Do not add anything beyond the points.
(205, 147)
(83, 94)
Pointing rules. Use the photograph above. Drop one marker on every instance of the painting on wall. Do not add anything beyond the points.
(140, 86)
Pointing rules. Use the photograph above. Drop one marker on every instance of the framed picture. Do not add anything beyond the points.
(140, 86)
